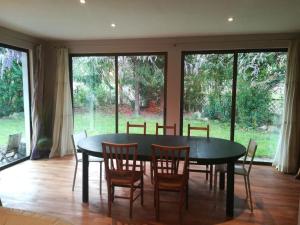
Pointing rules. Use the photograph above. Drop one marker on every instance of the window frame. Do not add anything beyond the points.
(24, 50)
(116, 55)
(234, 82)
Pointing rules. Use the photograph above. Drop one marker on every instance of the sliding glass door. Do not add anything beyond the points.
(14, 105)
(102, 107)
(207, 92)
(141, 91)
(254, 80)
(94, 94)
(260, 98)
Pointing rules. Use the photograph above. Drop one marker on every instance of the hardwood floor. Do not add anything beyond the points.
(46, 186)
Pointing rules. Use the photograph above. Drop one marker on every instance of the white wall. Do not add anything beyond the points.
(174, 47)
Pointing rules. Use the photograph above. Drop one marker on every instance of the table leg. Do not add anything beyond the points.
(85, 177)
(230, 189)
(222, 181)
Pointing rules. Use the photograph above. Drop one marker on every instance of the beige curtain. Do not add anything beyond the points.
(63, 121)
(288, 152)
(37, 98)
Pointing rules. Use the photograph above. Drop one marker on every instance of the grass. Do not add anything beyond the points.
(11, 125)
(104, 123)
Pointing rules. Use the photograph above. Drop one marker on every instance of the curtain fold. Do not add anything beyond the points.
(287, 157)
(37, 99)
(63, 122)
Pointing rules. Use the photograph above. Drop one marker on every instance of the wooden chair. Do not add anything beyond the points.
(12, 148)
(75, 139)
(120, 167)
(170, 174)
(190, 128)
(130, 125)
(165, 128)
(243, 170)
(209, 168)
(144, 127)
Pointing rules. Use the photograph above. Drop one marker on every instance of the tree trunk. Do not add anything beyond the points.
(136, 89)
(137, 97)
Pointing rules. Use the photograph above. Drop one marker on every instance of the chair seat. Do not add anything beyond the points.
(240, 170)
(124, 178)
(170, 181)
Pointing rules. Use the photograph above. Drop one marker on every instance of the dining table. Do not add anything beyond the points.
(203, 150)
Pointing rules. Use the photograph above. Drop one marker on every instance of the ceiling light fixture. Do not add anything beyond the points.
(230, 19)
(82, 1)
(113, 25)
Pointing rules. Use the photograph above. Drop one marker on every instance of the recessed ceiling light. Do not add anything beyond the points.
(230, 19)
(113, 25)
(82, 1)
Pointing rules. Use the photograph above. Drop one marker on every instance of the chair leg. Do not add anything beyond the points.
(0, 202)
(251, 204)
(181, 202)
(246, 187)
(206, 172)
(144, 166)
(142, 190)
(210, 176)
(75, 173)
(109, 200)
(113, 193)
(187, 196)
(215, 180)
(151, 172)
(100, 185)
(157, 204)
(131, 201)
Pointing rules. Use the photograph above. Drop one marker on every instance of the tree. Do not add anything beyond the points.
(11, 82)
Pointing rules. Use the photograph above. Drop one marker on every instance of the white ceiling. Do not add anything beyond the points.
(68, 19)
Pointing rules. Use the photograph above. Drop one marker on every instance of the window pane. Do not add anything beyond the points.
(141, 91)
(260, 98)
(14, 106)
(207, 93)
(94, 94)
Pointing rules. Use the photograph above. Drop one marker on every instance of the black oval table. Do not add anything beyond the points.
(203, 150)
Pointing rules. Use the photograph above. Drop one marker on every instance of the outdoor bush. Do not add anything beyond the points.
(11, 90)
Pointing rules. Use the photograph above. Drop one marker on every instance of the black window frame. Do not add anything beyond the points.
(234, 82)
(116, 55)
(24, 50)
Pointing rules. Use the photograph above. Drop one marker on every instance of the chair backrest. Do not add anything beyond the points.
(190, 128)
(75, 139)
(119, 157)
(250, 154)
(166, 127)
(170, 160)
(13, 142)
(130, 125)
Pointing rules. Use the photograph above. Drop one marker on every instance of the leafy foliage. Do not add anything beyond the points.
(11, 82)
(260, 86)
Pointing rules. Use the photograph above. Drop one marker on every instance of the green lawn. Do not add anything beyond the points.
(10, 126)
(267, 141)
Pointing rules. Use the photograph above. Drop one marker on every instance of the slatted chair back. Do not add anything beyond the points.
(130, 125)
(119, 157)
(250, 154)
(170, 160)
(190, 128)
(165, 128)
(13, 143)
(75, 139)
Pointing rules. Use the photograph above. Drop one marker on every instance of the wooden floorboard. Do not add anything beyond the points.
(45, 186)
